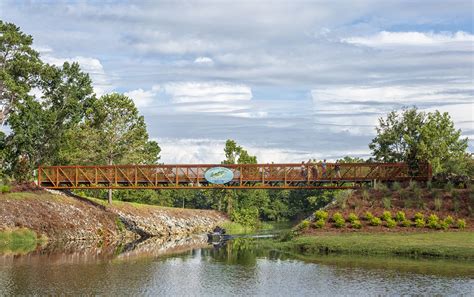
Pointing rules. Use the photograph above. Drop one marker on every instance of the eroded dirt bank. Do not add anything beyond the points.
(61, 217)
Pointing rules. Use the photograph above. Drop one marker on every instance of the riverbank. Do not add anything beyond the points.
(61, 217)
(454, 245)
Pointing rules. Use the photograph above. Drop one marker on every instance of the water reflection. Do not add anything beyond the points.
(189, 266)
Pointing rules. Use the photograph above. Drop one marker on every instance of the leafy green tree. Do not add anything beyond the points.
(2, 154)
(113, 133)
(348, 159)
(19, 68)
(235, 154)
(415, 137)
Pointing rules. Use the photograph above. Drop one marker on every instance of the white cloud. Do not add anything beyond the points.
(395, 93)
(211, 151)
(92, 66)
(189, 92)
(203, 61)
(141, 97)
(385, 38)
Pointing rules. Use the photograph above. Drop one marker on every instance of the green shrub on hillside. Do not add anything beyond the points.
(400, 216)
(386, 215)
(368, 216)
(320, 223)
(4, 189)
(448, 187)
(443, 225)
(338, 220)
(413, 185)
(419, 223)
(321, 215)
(375, 221)
(438, 203)
(396, 186)
(406, 223)
(356, 224)
(303, 225)
(449, 220)
(461, 224)
(391, 223)
(418, 215)
(365, 195)
(352, 217)
(387, 202)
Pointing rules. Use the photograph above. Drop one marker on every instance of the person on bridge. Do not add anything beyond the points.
(323, 167)
(315, 169)
(303, 169)
(337, 168)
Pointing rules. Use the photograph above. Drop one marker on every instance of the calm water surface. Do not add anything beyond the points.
(191, 267)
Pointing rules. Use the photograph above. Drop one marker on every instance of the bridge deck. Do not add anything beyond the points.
(246, 176)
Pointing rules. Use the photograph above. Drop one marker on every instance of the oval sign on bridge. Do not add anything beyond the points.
(219, 175)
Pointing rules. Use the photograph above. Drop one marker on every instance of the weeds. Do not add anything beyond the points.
(365, 195)
(438, 203)
(396, 186)
(387, 202)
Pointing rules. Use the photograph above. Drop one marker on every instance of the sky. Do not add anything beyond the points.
(288, 80)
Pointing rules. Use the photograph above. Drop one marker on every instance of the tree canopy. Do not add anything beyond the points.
(412, 136)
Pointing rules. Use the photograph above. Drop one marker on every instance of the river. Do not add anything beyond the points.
(240, 267)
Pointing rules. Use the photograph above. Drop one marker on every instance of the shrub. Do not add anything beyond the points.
(356, 224)
(404, 194)
(368, 216)
(381, 187)
(391, 223)
(433, 218)
(413, 185)
(417, 193)
(365, 195)
(352, 217)
(375, 221)
(400, 216)
(420, 223)
(406, 223)
(438, 203)
(320, 223)
(443, 225)
(386, 215)
(342, 197)
(337, 216)
(449, 220)
(303, 225)
(4, 189)
(433, 224)
(461, 224)
(449, 187)
(418, 215)
(339, 223)
(396, 186)
(429, 185)
(456, 205)
(321, 215)
(387, 202)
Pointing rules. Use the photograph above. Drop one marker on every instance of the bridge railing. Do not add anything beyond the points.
(293, 175)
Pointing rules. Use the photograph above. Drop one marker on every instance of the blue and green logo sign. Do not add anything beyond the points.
(219, 175)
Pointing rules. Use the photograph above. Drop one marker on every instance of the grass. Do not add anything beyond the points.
(456, 245)
(19, 241)
(236, 228)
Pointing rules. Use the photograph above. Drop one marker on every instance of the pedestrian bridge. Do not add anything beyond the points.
(233, 176)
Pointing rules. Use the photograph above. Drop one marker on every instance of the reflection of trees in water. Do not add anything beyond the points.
(242, 251)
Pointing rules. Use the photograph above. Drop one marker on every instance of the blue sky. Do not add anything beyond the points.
(287, 80)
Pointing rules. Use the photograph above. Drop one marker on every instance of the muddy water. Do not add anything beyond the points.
(192, 267)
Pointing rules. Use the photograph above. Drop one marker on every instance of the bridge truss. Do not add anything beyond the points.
(245, 176)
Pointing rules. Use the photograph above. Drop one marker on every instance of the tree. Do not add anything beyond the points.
(113, 133)
(19, 68)
(235, 154)
(39, 128)
(414, 137)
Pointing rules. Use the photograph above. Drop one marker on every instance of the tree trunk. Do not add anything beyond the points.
(110, 190)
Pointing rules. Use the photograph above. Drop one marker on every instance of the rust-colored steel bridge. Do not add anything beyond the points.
(244, 176)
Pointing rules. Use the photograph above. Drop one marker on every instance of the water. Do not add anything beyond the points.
(244, 266)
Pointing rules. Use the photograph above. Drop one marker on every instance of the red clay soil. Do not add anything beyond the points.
(459, 204)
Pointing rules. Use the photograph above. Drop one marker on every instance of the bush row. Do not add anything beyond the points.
(321, 217)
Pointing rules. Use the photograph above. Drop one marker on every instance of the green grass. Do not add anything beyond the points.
(236, 228)
(19, 241)
(459, 245)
